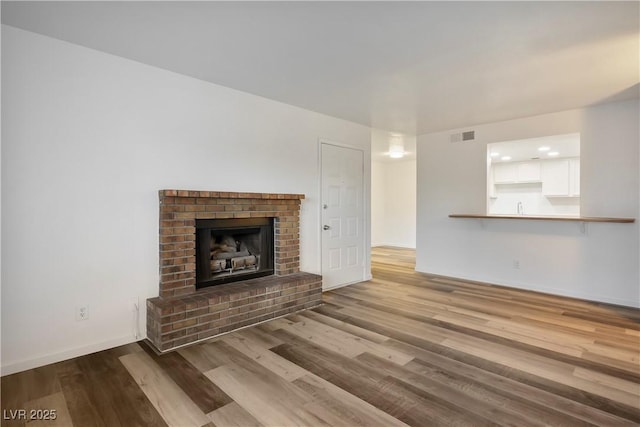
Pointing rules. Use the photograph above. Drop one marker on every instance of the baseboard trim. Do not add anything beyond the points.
(36, 362)
(389, 245)
(541, 290)
(342, 285)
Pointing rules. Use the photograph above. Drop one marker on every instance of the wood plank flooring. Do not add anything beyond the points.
(402, 349)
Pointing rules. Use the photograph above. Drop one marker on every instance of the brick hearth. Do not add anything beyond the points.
(182, 315)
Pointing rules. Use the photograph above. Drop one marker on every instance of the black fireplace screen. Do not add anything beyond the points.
(229, 250)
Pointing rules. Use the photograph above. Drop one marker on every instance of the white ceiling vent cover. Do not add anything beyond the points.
(463, 136)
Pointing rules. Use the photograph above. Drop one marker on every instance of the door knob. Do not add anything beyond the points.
(326, 227)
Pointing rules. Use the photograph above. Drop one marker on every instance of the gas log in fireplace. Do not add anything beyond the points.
(230, 250)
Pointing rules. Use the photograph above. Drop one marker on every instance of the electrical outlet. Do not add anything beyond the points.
(82, 312)
(516, 264)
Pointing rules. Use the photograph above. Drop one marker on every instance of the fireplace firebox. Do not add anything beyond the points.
(230, 250)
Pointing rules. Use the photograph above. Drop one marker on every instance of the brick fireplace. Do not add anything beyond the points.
(181, 314)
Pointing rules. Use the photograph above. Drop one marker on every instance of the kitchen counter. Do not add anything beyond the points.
(547, 218)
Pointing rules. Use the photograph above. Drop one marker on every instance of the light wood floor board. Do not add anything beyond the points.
(170, 401)
(271, 401)
(344, 408)
(232, 415)
(403, 349)
(253, 349)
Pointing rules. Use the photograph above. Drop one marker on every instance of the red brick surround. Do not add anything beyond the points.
(182, 315)
(176, 321)
(179, 210)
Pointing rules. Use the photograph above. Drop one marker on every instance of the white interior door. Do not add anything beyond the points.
(342, 215)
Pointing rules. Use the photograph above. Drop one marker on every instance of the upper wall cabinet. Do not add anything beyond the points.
(555, 177)
(504, 173)
(529, 171)
(574, 177)
(561, 178)
(516, 172)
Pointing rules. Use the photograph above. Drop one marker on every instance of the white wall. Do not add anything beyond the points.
(378, 189)
(393, 203)
(554, 257)
(88, 140)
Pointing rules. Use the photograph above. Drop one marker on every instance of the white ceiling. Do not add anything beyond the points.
(408, 67)
(567, 145)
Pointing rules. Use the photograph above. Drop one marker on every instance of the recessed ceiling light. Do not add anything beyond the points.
(494, 154)
(505, 158)
(396, 154)
(544, 148)
(552, 153)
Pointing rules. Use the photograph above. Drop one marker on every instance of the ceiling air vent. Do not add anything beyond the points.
(469, 136)
(463, 136)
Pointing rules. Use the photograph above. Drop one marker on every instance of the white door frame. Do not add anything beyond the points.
(365, 188)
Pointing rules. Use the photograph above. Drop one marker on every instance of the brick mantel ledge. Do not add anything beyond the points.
(229, 195)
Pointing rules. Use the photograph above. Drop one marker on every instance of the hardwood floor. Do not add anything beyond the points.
(402, 349)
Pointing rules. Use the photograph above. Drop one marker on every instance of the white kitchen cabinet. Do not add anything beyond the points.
(529, 171)
(555, 178)
(574, 177)
(491, 188)
(516, 172)
(505, 173)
